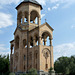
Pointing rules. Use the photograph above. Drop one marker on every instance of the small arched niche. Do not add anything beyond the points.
(17, 42)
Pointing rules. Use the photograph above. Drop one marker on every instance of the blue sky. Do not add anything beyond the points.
(60, 14)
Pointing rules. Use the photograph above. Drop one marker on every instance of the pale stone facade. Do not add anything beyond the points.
(29, 49)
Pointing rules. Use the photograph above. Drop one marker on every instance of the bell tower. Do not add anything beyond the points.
(29, 13)
(29, 48)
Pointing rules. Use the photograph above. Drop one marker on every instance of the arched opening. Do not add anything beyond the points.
(12, 49)
(17, 42)
(19, 17)
(24, 43)
(36, 39)
(31, 42)
(34, 17)
(46, 38)
(25, 17)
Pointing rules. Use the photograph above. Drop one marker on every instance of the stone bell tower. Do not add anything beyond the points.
(29, 48)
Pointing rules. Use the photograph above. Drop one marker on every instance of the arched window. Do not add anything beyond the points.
(17, 42)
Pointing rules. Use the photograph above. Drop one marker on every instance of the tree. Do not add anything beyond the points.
(65, 65)
(32, 72)
(4, 65)
(51, 70)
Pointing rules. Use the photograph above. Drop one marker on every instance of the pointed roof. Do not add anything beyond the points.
(30, 1)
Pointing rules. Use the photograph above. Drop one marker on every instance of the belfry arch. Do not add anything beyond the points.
(34, 16)
(46, 38)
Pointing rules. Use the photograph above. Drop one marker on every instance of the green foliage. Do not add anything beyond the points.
(4, 65)
(32, 72)
(65, 65)
(22, 74)
(12, 74)
(51, 70)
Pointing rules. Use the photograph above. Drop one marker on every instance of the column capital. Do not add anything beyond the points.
(45, 39)
(50, 38)
(40, 37)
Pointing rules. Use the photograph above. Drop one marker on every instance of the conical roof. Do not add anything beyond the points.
(30, 1)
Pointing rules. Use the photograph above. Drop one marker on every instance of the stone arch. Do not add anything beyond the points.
(46, 37)
(25, 16)
(46, 50)
(36, 12)
(19, 14)
(19, 17)
(17, 42)
(34, 16)
(47, 53)
(49, 34)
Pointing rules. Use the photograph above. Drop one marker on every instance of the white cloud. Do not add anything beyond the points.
(66, 49)
(55, 7)
(5, 20)
(67, 3)
(3, 49)
(73, 26)
(42, 15)
(9, 1)
(43, 2)
(49, 9)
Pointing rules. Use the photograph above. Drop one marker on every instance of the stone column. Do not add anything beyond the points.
(29, 18)
(34, 21)
(23, 18)
(39, 21)
(50, 41)
(34, 43)
(39, 40)
(45, 41)
(29, 44)
(51, 54)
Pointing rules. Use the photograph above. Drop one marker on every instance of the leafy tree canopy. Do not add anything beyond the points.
(4, 65)
(65, 65)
